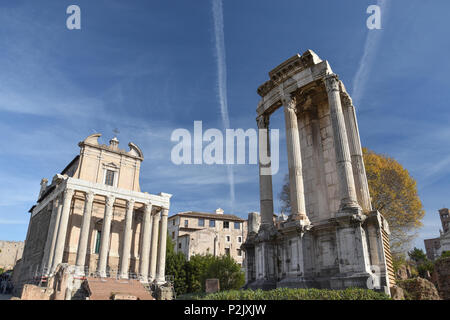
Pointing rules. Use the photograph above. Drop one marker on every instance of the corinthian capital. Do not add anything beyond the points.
(331, 82)
(110, 201)
(289, 102)
(346, 99)
(130, 204)
(263, 121)
(89, 196)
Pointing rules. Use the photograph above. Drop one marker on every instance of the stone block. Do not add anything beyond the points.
(212, 285)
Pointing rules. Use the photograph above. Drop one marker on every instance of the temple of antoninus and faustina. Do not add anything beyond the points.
(333, 238)
(94, 218)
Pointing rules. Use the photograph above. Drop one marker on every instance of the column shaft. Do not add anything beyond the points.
(145, 250)
(359, 171)
(62, 229)
(297, 195)
(343, 161)
(265, 173)
(126, 247)
(161, 273)
(104, 241)
(154, 247)
(51, 236)
(84, 232)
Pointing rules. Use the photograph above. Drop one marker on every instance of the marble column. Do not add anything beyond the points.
(265, 173)
(145, 250)
(297, 195)
(161, 273)
(62, 229)
(51, 236)
(154, 246)
(104, 241)
(359, 171)
(126, 247)
(348, 196)
(84, 232)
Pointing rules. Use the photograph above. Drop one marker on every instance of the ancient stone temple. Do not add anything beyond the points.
(332, 238)
(94, 218)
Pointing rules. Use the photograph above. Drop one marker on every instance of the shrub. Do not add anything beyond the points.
(296, 294)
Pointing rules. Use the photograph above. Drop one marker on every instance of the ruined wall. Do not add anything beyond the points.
(10, 252)
(442, 277)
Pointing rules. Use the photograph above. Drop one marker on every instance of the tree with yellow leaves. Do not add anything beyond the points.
(393, 192)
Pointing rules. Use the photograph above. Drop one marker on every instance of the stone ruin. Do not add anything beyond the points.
(332, 237)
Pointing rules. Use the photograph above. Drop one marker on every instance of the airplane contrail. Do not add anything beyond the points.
(369, 54)
(222, 80)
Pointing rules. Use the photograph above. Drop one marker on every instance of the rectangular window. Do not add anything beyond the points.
(97, 241)
(227, 251)
(201, 222)
(173, 235)
(109, 178)
(237, 225)
(226, 224)
(228, 238)
(239, 239)
(239, 252)
(212, 223)
(173, 222)
(179, 245)
(186, 223)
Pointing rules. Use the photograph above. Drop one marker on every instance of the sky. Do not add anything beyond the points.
(147, 68)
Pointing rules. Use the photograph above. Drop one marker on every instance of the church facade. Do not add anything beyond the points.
(94, 217)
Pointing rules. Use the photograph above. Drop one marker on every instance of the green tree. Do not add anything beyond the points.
(421, 261)
(197, 267)
(417, 255)
(227, 271)
(176, 267)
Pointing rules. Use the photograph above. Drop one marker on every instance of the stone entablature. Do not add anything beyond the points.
(332, 238)
(97, 228)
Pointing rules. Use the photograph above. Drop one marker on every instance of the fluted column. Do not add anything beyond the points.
(145, 251)
(51, 236)
(62, 229)
(297, 195)
(161, 273)
(126, 247)
(265, 173)
(343, 161)
(154, 247)
(104, 243)
(359, 171)
(84, 232)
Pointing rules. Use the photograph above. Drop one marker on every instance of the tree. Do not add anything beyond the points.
(417, 255)
(176, 267)
(422, 263)
(197, 268)
(393, 192)
(227, 271)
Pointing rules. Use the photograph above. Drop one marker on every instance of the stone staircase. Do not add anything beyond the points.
(107, 288)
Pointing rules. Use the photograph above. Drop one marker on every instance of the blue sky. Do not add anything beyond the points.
(149, 67)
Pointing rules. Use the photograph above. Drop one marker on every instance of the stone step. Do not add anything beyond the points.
(106, 288)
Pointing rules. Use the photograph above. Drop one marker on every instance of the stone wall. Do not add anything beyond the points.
(441, 277)
(10, 252)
